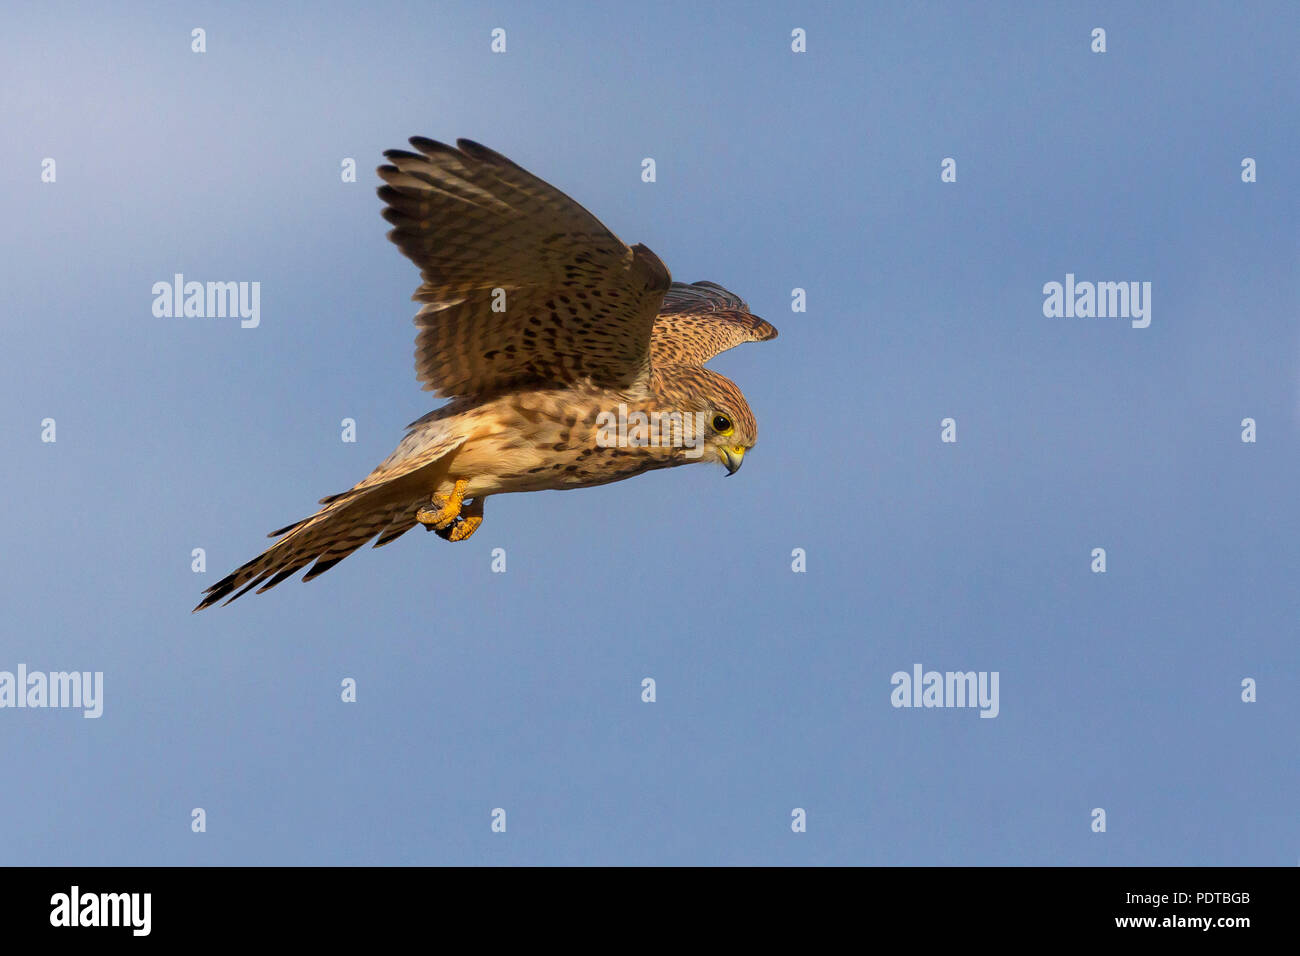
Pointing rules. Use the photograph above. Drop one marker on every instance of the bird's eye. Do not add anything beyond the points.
(722, 424)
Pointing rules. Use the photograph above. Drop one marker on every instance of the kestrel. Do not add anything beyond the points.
(541, 326)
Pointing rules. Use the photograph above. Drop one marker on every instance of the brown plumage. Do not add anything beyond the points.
(698, 321)
(538, 323)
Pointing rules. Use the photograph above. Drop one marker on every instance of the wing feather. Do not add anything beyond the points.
(522, 286)
(699, 320)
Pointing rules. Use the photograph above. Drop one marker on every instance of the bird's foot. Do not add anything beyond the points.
(444, 508)
(465, 524)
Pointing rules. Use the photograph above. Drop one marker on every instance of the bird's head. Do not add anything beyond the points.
(726, 427)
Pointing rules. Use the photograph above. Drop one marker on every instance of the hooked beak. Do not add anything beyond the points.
(733, 458)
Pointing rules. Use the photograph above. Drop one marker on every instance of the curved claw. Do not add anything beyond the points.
(445, 508)
(465, 524)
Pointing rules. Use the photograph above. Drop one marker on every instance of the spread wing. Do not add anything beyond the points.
(699, 320)
(522, 286)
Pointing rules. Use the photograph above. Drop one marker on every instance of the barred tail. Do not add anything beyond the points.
(345, 523)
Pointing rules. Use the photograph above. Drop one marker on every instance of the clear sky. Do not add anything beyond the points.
(522, 690)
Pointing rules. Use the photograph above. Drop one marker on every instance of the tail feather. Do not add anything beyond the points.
(326, 537)
(396, 530)
(280, 532)
(327, 500)
(383, 503)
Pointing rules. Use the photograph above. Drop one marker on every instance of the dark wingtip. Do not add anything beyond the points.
(428, 146)
(482, 153)
(395, 154)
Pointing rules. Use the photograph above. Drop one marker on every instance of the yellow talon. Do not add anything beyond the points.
(465, 528)
(445, 508)
(465, 524)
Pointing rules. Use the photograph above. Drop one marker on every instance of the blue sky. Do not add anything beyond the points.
(521, 690)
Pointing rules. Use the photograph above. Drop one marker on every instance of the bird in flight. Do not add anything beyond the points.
(567, 357)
